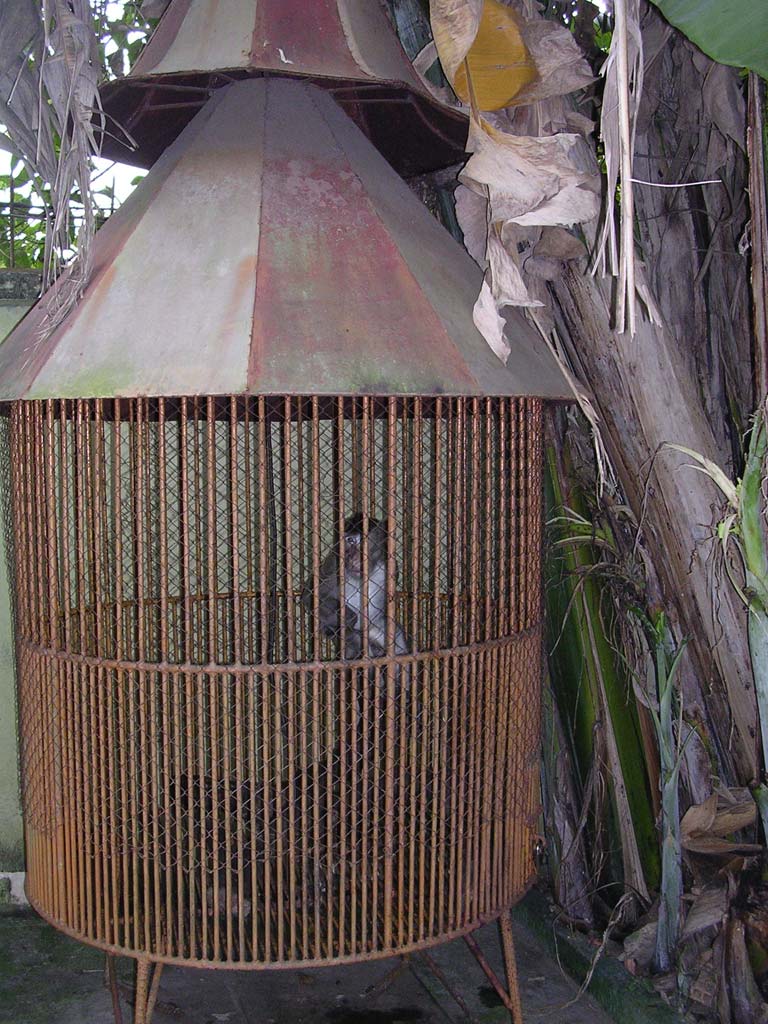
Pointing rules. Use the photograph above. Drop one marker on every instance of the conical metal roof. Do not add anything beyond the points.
(346, 46)
(272, 250)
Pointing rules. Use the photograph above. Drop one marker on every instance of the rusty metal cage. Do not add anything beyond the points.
(207, 779)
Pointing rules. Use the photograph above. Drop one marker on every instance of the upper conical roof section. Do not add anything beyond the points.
(272, 250)
(346, 46)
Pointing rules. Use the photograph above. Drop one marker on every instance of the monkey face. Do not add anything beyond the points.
(353, 556)
(353, 544)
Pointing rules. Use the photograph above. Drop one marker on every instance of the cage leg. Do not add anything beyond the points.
(110, 965)
(384, 983)
(452, 991)
(510, 996)
(510, 962)
(142, 1009)
(152, 997)
(489, 972)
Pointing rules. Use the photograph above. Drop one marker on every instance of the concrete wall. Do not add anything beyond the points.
(18, 290)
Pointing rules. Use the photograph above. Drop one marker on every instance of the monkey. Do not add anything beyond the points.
(329, 587)
(371, 708)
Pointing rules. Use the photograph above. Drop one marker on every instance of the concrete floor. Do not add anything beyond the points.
(46, 978)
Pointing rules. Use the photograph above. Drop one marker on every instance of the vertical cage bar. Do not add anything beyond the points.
(91, 727)
(37, 525)
(263, 545)
(237, 655)
(252, 689)
(489, 570)
(225, 688)
(304, 772)
(267, 686)
(389, 752)
(240, 782)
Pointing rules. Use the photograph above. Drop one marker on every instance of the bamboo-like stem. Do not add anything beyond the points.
(758, 203)
(671, 894)
(626, 288)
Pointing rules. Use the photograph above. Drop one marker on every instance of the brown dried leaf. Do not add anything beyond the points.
(704, 988)
(640, 946)
(708, 909)
(747, 1006)
(27, 119)
(506, 280)
(559, 244)
(733, 818)
(550, 253)
(20, 27)
(503, 285)
(712, 845)
(579, 123)
(489, 321)
(532, 181)
(699, 818)
(560, 63)
(730, 795)
(705, 825)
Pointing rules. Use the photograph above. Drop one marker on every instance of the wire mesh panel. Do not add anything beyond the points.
(279, 669)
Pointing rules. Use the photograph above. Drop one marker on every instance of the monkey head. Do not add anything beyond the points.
(353, 543)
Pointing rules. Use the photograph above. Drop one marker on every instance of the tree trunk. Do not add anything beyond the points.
(645, 396)
(686, 380)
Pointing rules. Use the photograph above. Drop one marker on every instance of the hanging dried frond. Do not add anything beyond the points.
(494, 57)
(558, 58)
(532, 181)
(48, 94)
(623, 71)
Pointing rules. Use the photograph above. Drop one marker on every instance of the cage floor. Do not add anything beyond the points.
(46, 976)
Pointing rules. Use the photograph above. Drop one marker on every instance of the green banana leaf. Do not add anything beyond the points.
(730, 31)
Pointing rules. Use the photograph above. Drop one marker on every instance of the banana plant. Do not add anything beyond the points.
(593, 692)
(743, 536)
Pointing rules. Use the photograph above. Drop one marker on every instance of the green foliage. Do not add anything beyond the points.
(592, 685)
(120, 38)
(732, 33)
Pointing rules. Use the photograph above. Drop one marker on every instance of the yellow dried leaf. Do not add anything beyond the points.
(498, 62)
(454, 27)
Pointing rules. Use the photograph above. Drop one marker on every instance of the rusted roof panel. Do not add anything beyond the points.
(346, 46)
(272, 250)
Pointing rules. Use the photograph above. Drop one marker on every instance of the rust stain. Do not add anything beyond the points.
(310, 35)
(336, 302)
